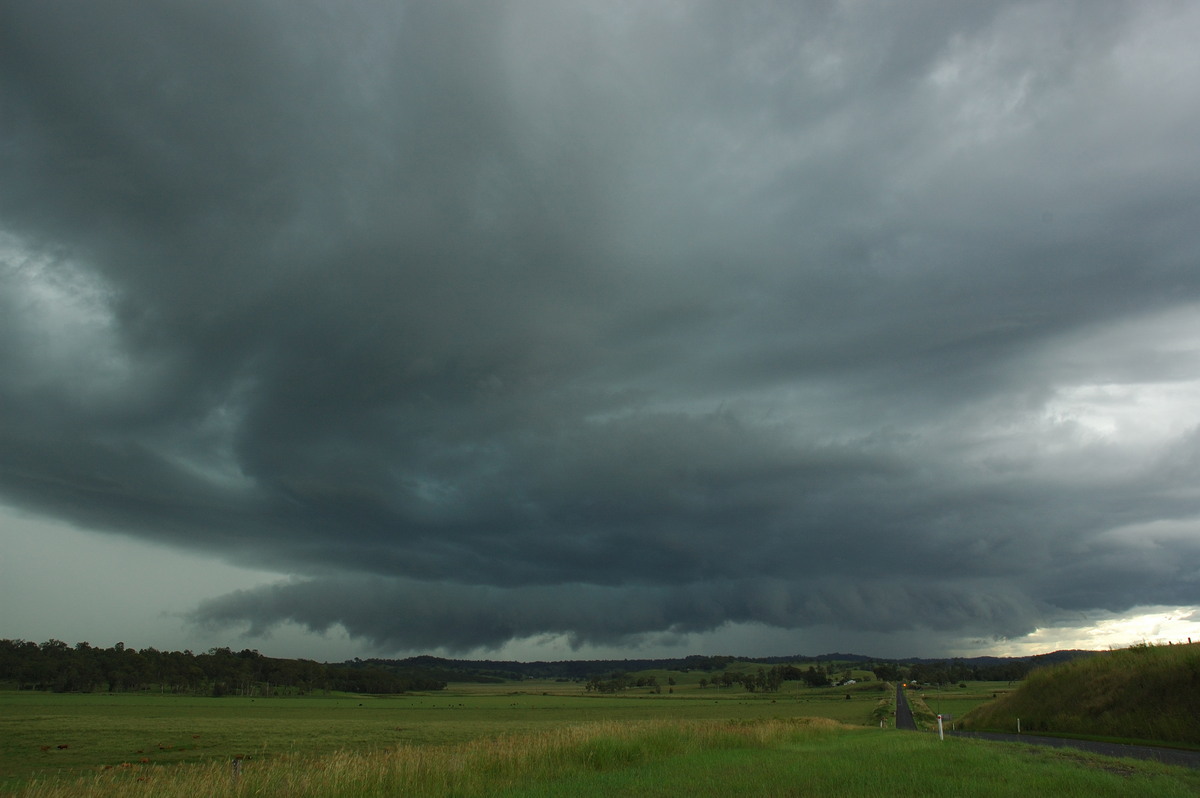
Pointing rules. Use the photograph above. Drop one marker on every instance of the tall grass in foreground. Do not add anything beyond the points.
(478, 767)
(1142, 693)
(775, 757)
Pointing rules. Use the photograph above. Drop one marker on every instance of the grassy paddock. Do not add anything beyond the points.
(100, 730)
(108, 729)
(956, 701)
(729, 757)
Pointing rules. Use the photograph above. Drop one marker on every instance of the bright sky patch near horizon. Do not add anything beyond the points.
(546, 330)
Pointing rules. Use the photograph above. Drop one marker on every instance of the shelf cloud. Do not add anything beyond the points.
(478, 322)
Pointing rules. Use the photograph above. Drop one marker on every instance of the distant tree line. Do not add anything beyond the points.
(767, 680)
(770, 680)
(958, 670)
(59, 667)
(620, 680)
(55, 665)
(458, 670)
(836, 667)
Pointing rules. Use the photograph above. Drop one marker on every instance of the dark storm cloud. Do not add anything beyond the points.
(425, 615)
(489, 321)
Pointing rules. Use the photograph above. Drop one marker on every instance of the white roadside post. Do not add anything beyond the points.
(941, 731)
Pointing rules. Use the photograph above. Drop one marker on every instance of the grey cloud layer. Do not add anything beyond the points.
(456, 617)
(627, 319)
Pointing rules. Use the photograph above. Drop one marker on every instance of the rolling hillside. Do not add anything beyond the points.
(1145, 693)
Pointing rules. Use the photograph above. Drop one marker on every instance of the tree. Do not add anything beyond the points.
(886, 672)
(816, 677)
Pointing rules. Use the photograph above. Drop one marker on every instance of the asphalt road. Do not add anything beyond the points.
(904, 718)
(1170, 756)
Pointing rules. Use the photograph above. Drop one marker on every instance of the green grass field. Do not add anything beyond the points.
(100, 729)
(953, 701)
(786, 757)
(527, 738)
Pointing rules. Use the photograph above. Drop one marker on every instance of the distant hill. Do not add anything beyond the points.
(55, 665)
(463, 670)
(1144, 693)
(927, 670)
(1038, 660)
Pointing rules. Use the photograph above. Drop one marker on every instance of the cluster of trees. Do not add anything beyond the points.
(765, 680)
(769, 680)
(56, 666)
(959, 670)
(620, 680)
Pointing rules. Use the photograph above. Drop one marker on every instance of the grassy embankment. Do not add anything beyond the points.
(1140, 694)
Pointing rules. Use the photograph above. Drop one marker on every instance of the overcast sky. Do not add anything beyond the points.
(554, 329)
